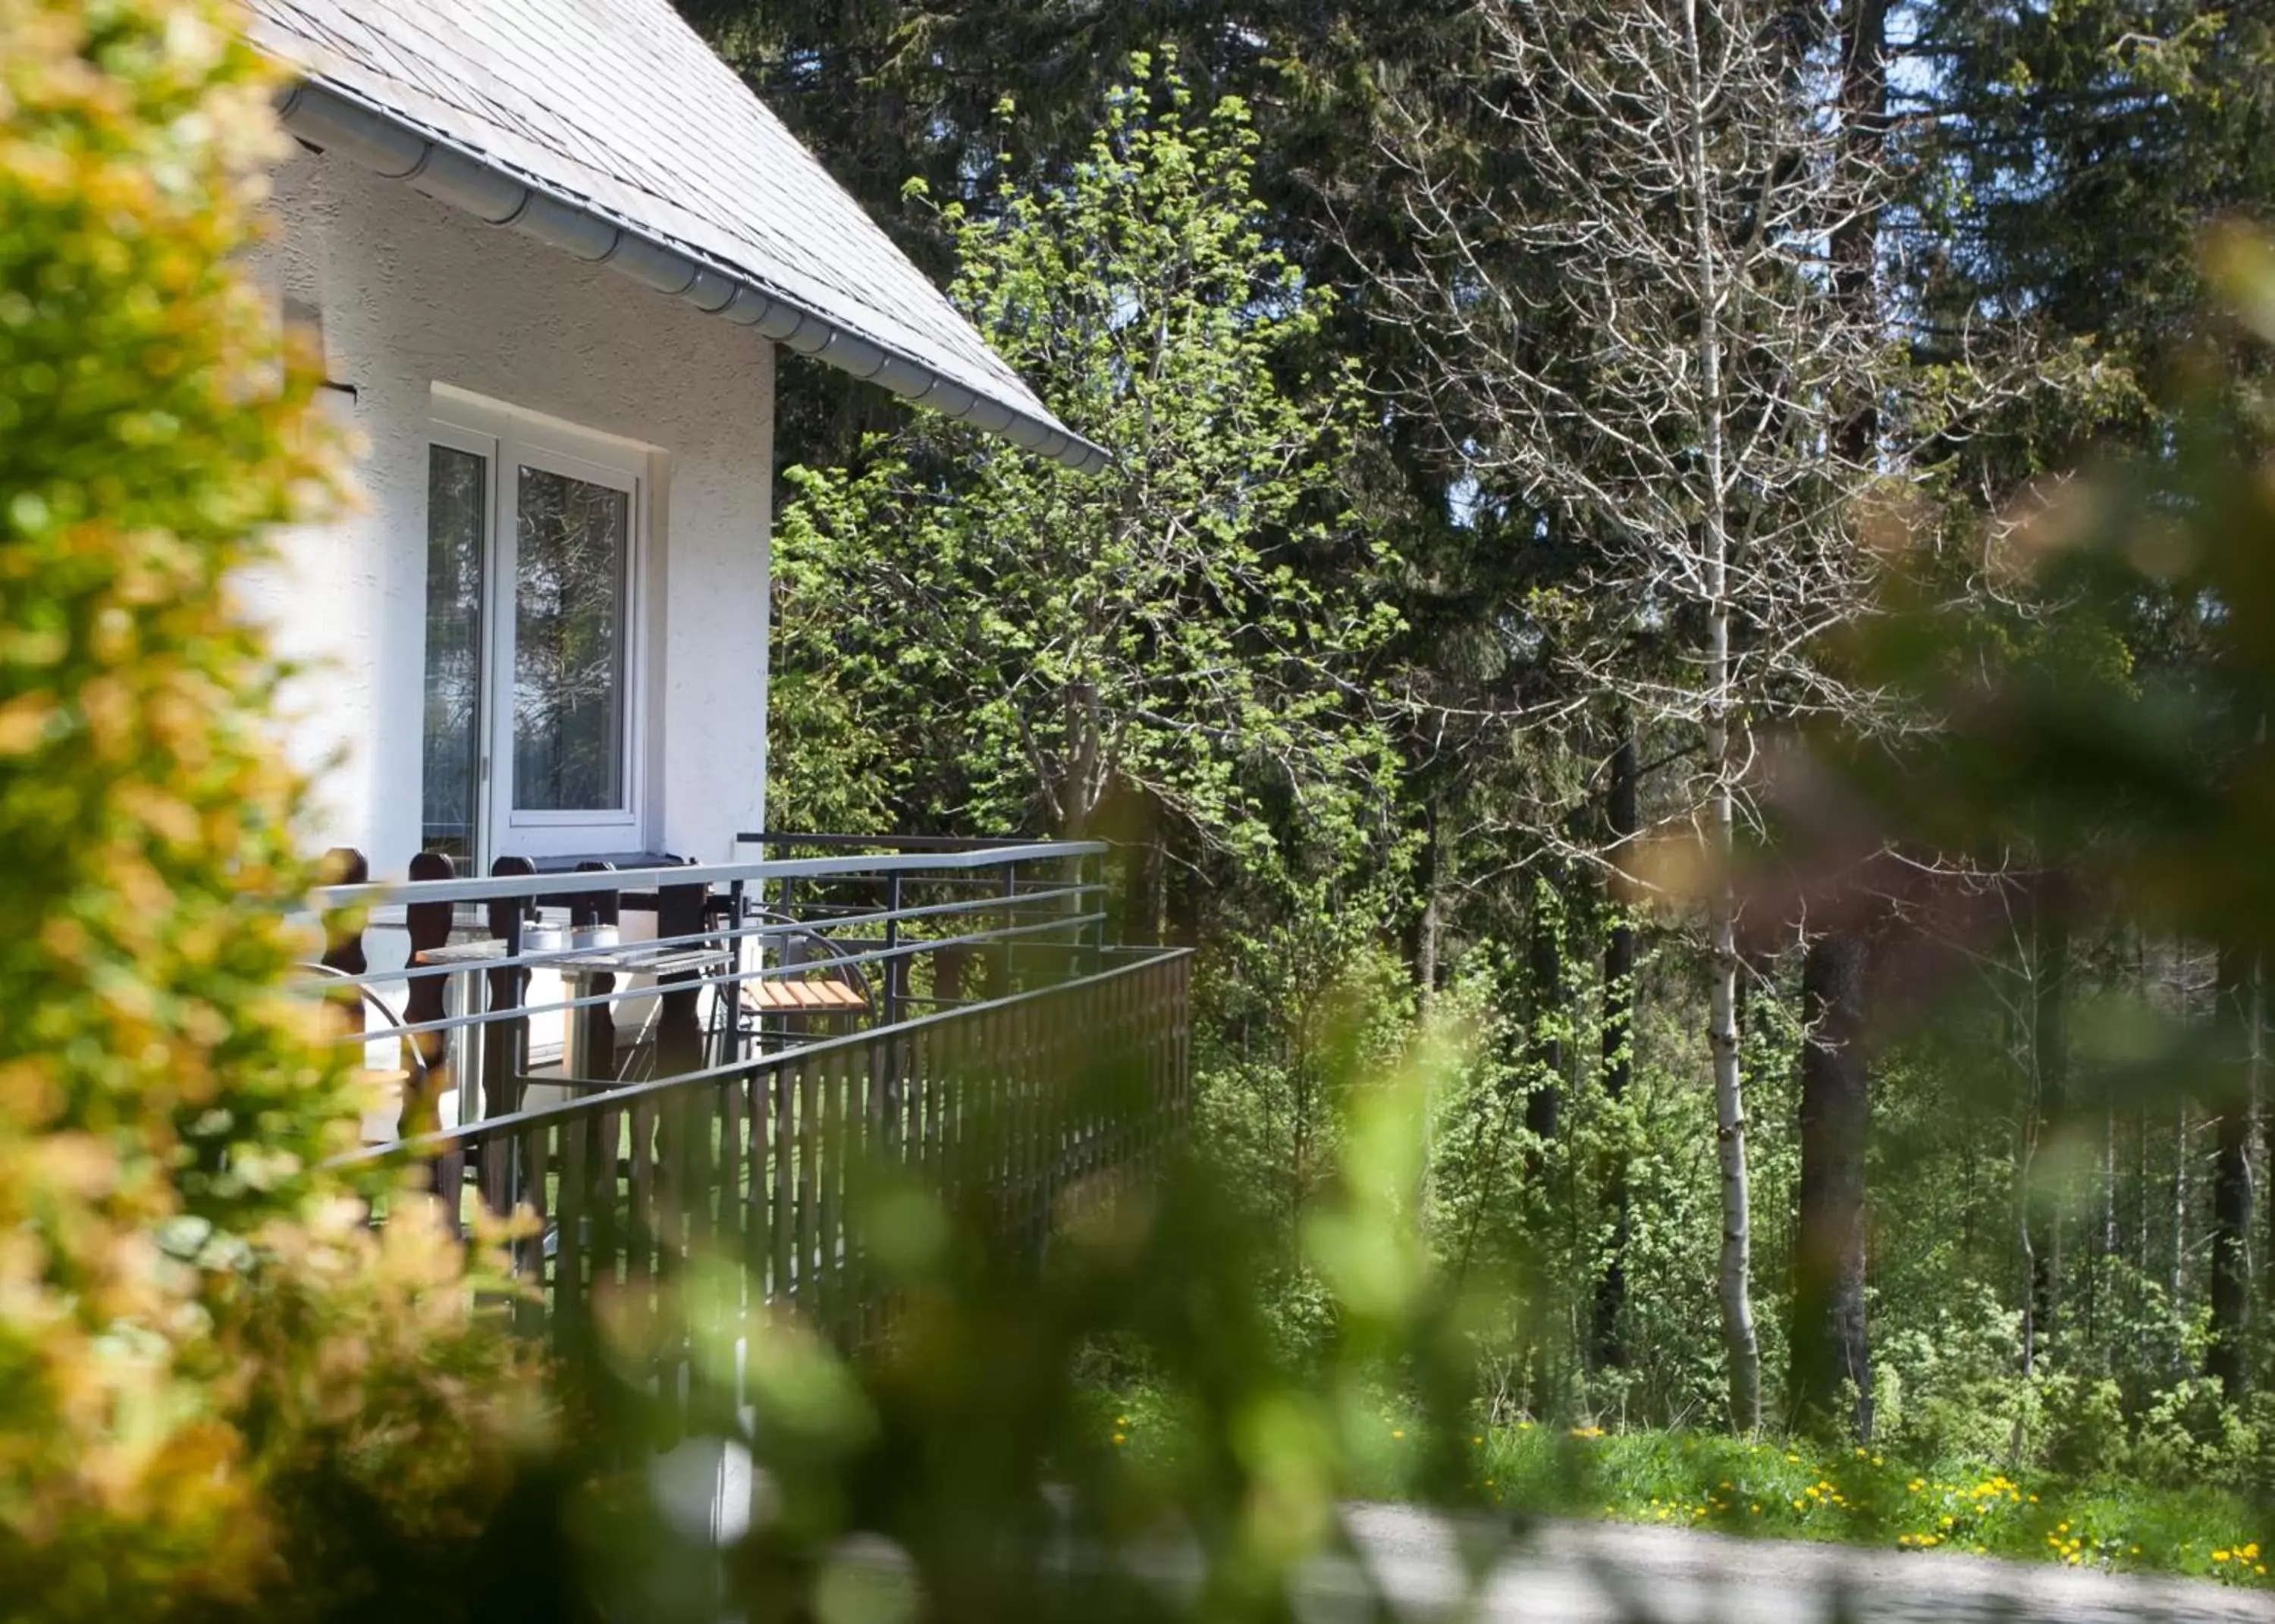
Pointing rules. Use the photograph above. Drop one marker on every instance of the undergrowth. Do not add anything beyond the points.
(1797, 1490)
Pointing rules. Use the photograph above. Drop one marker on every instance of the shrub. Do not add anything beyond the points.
(175, 1272)
(2085, 1433)
(1952, 1377)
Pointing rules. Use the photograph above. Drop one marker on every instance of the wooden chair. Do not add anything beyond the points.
(827, 985)
(390, 1086)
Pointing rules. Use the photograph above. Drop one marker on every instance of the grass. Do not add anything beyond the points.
(1796, 1491)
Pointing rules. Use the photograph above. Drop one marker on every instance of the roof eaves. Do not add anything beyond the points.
(332, 119)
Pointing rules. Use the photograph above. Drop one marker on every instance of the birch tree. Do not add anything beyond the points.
(1629, 328)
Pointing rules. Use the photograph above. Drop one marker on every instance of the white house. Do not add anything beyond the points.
(550, 247)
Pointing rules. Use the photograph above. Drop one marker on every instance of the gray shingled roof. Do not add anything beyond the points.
(608, 127)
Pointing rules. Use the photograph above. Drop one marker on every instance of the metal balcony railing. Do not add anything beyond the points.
(673, 1060)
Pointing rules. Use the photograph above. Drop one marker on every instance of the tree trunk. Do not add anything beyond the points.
(2261, 1107)
(1136, 890)
(1734, 1270)
(1429, 925)
(1830, 1340)
(2050, 1065)
(1830, 1344)
(2231, 1189)
(1623, 823)
(1544, 1105)
(2180, 1209)
(2105, 1246)
(1425, 947)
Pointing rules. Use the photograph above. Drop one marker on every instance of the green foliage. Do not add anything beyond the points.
(1175, 653)
(1184, 635)
(2202, 1526)
(190, 1317)
(966, 1466)
(2075, 154)
(1982, 1503)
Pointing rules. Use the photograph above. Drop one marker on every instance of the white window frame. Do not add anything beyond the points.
(510, 439)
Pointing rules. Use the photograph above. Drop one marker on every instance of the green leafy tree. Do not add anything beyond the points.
(1185, 634)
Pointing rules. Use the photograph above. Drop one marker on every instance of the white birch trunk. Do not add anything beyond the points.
(1735, 1272)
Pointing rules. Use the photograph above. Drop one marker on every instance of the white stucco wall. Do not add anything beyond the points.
(410, 293)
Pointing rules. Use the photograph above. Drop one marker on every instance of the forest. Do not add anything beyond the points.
(1676, 641)
(1595, 558)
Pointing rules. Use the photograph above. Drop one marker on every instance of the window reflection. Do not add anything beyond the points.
(573, 540)
(457, 504)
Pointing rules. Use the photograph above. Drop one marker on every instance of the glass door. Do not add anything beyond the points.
(531, 736)
(564, 671)
(457, 564)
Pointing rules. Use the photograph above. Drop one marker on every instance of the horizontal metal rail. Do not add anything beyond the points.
(508, 888)
(888, 842)
(681, 981)
(553, 958)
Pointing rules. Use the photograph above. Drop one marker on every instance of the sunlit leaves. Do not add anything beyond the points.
(189, 1320)
(1191, 628)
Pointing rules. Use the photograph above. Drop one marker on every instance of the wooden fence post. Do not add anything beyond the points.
(505, 1043)
(344, 865)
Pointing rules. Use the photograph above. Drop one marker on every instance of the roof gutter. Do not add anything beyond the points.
(332, 121)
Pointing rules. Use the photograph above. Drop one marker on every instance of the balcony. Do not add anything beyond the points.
(673, 1062)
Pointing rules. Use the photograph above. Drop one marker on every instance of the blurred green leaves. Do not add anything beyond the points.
(2097, 698)
(221, 1393)
(959, 1462)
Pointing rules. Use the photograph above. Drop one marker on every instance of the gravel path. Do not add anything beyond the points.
(1589, 1571)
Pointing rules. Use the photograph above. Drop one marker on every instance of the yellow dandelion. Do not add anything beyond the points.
(1121, 1439)
(1398, 1431)
(2220, 1556)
